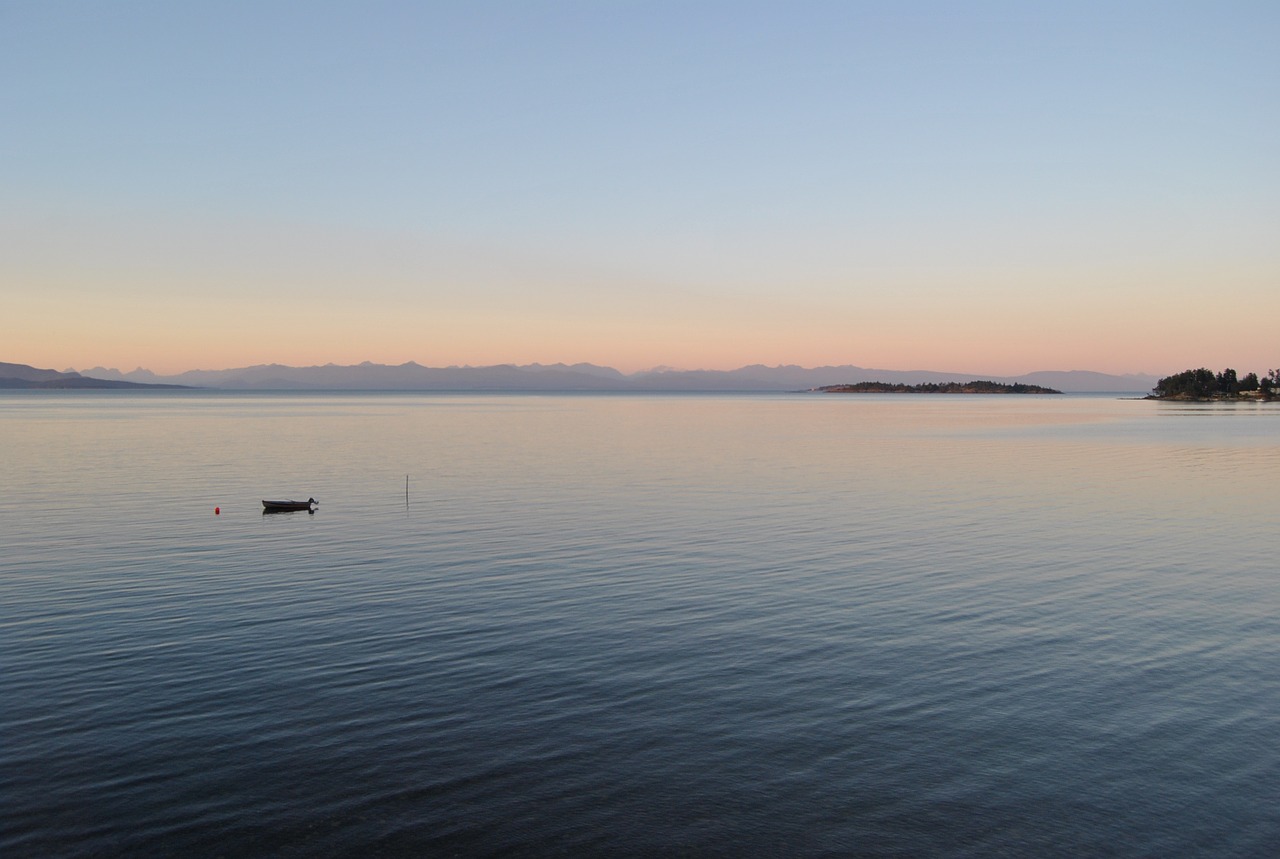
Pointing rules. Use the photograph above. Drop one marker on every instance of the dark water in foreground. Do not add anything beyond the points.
(721, 626)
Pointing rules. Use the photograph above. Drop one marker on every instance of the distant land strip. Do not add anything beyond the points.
(553, 378)
(975, 387)
(82, 382)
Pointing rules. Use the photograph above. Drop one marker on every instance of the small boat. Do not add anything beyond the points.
(282, 506)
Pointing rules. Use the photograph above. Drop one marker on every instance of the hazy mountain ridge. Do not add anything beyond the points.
(26, 376)
(412, 376)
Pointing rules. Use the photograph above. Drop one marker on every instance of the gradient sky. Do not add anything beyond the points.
(965, 186)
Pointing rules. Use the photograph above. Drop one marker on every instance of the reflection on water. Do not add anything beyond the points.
(711, 625)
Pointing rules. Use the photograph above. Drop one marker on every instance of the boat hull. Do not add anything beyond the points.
(285, 506)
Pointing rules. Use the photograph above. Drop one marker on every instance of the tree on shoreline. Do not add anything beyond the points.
(1205, 384)
(1228, 383)
(1188, 383)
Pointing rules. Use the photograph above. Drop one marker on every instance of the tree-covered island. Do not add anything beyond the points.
(975, 387)
(1204, 385)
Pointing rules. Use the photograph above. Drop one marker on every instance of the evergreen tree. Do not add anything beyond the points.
(1190, 383)
(1227, 381)
(1205, 384)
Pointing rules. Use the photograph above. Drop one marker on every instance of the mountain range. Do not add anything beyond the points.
(563, 377)
(25, 376)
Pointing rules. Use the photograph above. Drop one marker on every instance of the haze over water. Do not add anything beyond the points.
(630, 625)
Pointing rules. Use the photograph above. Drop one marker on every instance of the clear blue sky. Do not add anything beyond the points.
(986, 186)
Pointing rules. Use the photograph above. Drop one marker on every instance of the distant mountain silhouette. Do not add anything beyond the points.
(590, 377)
(25, 376)
(402, 377)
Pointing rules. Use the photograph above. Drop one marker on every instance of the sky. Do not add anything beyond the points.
(995, 187)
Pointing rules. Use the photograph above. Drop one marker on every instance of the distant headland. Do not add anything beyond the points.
(974, 387)
(25, 376)
(1204, 385)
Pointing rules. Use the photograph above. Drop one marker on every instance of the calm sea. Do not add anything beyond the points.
(794, 625)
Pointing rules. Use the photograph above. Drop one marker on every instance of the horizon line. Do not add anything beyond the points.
(653, 370)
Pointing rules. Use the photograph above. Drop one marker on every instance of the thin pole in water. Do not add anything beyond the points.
(406, 490)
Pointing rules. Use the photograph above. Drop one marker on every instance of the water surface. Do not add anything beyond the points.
(701, 625)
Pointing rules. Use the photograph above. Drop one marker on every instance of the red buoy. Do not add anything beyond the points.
(217, 511)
